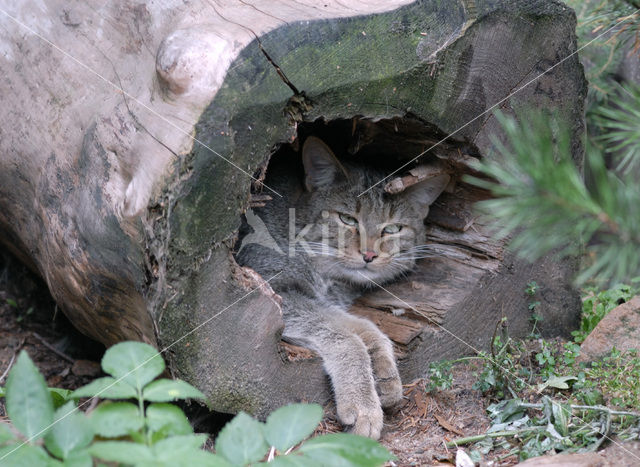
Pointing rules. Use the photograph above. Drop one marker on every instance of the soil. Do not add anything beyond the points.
(30, 320)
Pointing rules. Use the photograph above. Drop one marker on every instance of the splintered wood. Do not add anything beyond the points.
(414, 176)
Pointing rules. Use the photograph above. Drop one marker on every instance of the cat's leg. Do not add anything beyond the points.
(346, 360)
(385, 370)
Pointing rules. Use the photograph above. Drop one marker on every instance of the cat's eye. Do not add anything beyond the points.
(347, 219)
(392, 229)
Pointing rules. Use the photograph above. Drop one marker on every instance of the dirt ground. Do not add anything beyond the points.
(416, 433)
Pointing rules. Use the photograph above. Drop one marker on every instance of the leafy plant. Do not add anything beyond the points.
(150, 431)
(615, 379)
(596, 305)
(531, 290)
(440, 376)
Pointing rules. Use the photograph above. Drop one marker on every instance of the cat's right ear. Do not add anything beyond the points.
(321, 167)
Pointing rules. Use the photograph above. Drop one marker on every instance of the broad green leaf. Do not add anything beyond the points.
(80, 458)
(5, 433)
(289, 425)
(135, 363)
(183, 451)
(344, 449)
(71, 430)
(113, 419)
(551, 430)
(28, 400)
(506, 410)
(558, 382)
(169, 418)
(241, 440)
(193, 458)
(106, 388)
(293, 460)
(124, 452)
(561, 417)
(24, 455)
(60, 396)
(176, 444)
(167, 390)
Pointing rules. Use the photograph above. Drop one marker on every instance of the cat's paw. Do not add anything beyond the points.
(390, 392)
(363, 421)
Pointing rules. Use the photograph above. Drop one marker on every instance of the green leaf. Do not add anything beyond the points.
(5, 433)
(106, 388)
(135, 363)
(558, 382)
(28, 400)
(561, 417)
(344, 449)
(169, 418)
(241, 440)
(167, 447)
(293, 460)
(60, 396)
(194, 457)
(80, 458)
(174, 445)
(71, 430)
(506, 410)
(289, 425)
(113, 419)
(124, 452)
(24, 455)
(167, 390)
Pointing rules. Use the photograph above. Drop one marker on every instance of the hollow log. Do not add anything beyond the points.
(134, 136)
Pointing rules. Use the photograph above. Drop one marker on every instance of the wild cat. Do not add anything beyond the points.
(332, 245)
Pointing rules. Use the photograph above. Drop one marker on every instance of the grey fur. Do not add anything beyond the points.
(324, 270)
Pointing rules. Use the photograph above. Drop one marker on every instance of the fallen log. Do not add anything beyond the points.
(133, 136)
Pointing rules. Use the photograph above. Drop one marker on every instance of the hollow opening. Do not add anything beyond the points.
(411, 307)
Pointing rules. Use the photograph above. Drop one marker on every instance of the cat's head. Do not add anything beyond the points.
(357, 233)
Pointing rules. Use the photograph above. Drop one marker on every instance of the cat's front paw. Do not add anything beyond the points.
(390, 392)
(362, 420)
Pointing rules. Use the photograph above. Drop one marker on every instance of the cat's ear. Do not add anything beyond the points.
(321, 167)
(423, 194)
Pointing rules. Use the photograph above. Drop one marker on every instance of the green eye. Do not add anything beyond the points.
(392, 229)
(349, 220)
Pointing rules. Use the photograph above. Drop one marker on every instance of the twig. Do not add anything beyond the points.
(4, 374)
(495, 434)
(52, 348)
(599, 408)
(13, 358)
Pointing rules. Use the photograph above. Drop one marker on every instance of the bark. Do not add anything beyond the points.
(131, 221)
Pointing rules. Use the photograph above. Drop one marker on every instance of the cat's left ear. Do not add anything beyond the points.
(321, 166)
(423, 194)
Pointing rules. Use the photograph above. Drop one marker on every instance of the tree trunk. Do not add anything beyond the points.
(130, 134)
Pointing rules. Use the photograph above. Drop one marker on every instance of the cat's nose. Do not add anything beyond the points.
(369, 256)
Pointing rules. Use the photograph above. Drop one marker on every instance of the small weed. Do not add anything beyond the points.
(440, 377)
(596, 305)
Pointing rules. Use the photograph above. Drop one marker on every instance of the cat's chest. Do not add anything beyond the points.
(340, 294)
